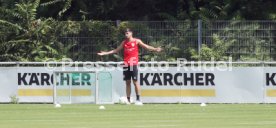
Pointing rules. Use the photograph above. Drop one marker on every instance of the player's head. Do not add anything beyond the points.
(128, 33)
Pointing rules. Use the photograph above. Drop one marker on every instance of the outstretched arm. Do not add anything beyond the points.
(148, 47)
(111, 51)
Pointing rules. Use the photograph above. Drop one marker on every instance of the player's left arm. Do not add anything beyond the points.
(148, 47)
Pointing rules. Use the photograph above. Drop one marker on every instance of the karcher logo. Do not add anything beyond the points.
(177, 79)
(270, 79)
(270, 83)
(46, 79)
(39, 79)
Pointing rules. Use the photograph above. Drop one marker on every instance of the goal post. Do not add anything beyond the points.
(71, 87)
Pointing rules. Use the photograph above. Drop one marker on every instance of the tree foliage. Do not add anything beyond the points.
(34, 30)
(24, 37)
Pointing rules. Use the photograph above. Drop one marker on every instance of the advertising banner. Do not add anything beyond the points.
(173, 85)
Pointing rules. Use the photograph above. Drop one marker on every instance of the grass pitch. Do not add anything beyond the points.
(130, 116)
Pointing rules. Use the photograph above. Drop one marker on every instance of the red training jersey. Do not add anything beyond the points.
(131, 52)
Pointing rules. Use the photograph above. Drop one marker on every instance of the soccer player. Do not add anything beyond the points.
(130, 70)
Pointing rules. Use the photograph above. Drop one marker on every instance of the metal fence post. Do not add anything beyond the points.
(118, 23)
(199, 34)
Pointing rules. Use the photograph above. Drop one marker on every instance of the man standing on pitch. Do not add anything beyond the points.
(130, 46)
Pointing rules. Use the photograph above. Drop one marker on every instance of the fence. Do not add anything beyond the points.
(174, 85)
(193, 40)
(77, 64)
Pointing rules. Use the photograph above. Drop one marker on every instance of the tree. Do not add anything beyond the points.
(23, 36)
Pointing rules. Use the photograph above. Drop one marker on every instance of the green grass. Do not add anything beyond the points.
(148, 116)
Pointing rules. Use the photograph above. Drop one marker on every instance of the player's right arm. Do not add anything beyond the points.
(119, 48)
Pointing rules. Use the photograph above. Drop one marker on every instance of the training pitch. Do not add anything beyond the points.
(131, 116)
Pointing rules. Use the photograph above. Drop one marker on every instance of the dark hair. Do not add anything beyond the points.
(127, 30)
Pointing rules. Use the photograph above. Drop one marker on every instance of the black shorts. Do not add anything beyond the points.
(130, 72)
